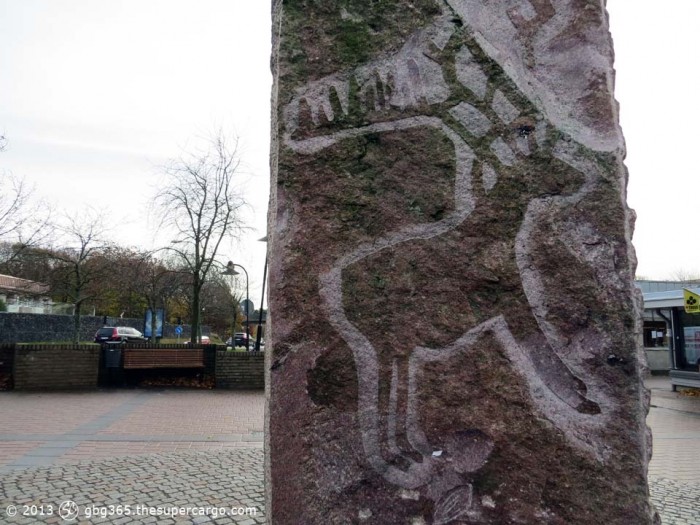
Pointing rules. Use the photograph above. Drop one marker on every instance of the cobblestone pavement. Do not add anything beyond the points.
(674, 471)
(135, 452)
(678, 502)
(146, 452)
(226, 487)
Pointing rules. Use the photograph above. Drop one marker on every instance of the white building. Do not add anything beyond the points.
(672, 330)
(25, 296)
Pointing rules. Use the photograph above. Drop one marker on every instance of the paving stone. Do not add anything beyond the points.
(122, 482)
(234, 476)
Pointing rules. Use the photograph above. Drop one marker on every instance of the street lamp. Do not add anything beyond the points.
(230, 270)
(262, 301)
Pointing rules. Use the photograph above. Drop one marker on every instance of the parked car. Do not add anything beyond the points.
(203, 340)
(238, 341)
(118, 334)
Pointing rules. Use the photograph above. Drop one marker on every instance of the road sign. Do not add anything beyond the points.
(178, 330)
(247, 307)
(691, 300)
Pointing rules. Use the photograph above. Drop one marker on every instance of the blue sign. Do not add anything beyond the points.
(178, 330)
(247, 307)
(160, 316)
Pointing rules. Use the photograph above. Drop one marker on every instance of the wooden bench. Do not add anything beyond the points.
(163, 358)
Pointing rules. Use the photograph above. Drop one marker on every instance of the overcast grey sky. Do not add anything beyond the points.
(96, 94)
(657, 51)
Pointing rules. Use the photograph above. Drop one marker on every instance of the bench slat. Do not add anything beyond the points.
(163, 358)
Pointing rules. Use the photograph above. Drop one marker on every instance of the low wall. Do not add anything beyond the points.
(658, 360)
(66, 367)
(244, 370)
(43, 367)
(7, 360)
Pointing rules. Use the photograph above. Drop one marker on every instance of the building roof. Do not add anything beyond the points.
(22, 286)
(665, 294)
(664, 286)
(667, 299)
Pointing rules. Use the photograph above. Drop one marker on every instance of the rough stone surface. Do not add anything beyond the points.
(453, 316)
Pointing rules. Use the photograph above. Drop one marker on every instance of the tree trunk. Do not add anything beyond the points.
(76, 322)
(196, 289)
(154, 323)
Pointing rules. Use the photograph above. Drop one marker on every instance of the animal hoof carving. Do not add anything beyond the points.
(454, 505)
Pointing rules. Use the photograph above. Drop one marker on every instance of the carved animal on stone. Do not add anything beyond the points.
(443, 81)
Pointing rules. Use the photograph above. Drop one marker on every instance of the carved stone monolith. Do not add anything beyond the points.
(453, 317)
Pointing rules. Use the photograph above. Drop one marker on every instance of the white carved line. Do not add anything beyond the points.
(391, 417)
(331, 290)
(416, 79)
(534, 289)
(574, 424)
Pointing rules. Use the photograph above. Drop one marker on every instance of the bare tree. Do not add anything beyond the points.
(202, 205)
(76, 262)
(156, 280)
(685, 275)
(23, 222)
(221, 304)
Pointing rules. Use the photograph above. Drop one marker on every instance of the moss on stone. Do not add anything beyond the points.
(321, 37)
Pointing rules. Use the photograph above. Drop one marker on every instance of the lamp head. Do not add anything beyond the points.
(230, 270)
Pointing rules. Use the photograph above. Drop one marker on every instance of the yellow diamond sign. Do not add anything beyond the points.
(691, 301)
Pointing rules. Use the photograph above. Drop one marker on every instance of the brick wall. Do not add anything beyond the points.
(244, 370)
(56, 367)
(7, 360)
(63, 367)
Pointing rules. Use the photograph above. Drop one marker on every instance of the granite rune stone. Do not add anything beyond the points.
(451, 268)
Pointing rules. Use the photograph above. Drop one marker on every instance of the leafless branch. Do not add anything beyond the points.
(24, 222)
(202, 206)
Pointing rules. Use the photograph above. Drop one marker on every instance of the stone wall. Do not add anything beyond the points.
(56, 368)
(30, 328)
(240, 370)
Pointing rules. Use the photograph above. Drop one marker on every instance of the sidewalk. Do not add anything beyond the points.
(45, 429)
(674, 471)
(203, 449)
(124, 456)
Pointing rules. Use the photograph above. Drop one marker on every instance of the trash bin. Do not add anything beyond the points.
(113, 356)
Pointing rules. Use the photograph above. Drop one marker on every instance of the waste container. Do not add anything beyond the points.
(113, 356)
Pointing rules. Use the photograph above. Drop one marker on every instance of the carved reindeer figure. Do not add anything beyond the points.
(499, 137)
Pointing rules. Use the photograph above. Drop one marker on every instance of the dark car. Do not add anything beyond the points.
(118, 334)
(238, 340)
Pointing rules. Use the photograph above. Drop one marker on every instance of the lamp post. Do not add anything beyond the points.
(230, 270)
(262, 301)
(199, 326)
